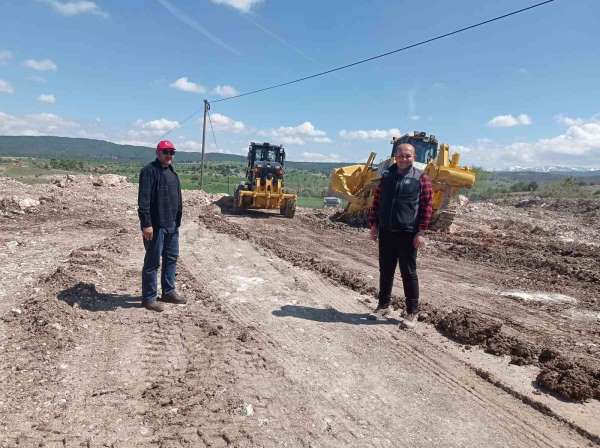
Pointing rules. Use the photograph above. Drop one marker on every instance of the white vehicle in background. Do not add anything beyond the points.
(331, 201)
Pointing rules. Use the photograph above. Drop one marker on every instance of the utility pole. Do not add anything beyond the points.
(206, 109)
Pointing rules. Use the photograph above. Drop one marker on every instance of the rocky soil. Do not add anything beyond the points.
(274, 347)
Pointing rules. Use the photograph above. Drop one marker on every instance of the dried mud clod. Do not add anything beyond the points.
(570, 380)
(468, 327)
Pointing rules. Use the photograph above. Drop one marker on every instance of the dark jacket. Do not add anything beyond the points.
(154, 207)
(399, 200)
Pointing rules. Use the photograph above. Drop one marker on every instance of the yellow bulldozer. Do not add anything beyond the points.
(356, 183)
(263, 187)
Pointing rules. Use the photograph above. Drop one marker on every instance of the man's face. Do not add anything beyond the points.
(165, 156)
(404, 156)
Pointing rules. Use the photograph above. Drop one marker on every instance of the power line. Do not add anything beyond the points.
(379, 56)
(213, 131)
(372, 58)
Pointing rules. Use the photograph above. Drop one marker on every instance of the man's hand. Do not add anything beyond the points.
(418, 241)
(148, 233)
(374, 233)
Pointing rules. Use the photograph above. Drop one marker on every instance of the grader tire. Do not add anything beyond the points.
(236, 210)
(289, 209)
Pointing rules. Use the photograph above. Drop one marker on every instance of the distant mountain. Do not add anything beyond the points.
(553, 169)
(46, 147)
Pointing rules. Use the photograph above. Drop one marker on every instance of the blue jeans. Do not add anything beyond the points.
(165, 244)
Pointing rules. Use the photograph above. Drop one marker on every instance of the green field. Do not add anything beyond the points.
(309, 183)
(219, 176)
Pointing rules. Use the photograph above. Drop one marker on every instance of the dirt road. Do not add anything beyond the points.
(270, 350)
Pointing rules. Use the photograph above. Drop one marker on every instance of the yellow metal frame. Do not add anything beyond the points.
(265, 194)
(447, 177)
(356, 183)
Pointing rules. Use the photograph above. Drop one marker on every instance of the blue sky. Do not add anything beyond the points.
(520, 92)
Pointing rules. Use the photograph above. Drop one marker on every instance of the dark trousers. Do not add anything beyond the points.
(165, 245)
(397, 248)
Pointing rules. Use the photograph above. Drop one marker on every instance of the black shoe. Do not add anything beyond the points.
(173, 297)
(154, 306)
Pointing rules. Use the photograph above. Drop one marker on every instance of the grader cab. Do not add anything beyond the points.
(264, 187)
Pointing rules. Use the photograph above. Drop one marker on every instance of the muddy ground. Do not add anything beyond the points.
(274, 347)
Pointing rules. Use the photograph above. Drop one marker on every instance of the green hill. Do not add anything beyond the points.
(66, 148)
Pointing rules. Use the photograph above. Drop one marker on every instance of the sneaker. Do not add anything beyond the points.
(154, 306)
(379, 313)
(410, 321)
(173, 297)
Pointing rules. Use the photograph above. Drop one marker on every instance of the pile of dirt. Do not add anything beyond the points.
(569, 379)
(588, 207)
(468, 327)
(43, 326)
(521, 352)
(324, 219)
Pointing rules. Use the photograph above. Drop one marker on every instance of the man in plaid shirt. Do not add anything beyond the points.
(401, 212)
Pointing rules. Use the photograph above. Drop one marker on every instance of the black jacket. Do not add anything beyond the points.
(399, 201)
(154, 207)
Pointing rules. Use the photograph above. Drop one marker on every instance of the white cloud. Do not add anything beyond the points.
(578, 146)
(296, 135)
(41, 65)
(322, 140)
(49, 99)
(38, 124)
(289, 140)
(568, 121)
(186, 85)
(318, 157)
(144, 133)
(415, 117)
(240, 5)
(5, 56)
(509, 121)
(190, 146)
(224, 123)
(159, 126)
(305, 129)
(225, 91)
(5, 87)
(373, 134)
(75, 8)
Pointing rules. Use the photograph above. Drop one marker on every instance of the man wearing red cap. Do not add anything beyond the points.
(159, 209)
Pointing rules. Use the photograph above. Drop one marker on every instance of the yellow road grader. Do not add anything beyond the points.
(356, 183)
(263, 187)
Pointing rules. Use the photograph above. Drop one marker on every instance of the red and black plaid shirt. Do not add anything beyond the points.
(425, 205)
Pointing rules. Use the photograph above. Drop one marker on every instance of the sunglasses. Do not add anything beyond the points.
(167, 152)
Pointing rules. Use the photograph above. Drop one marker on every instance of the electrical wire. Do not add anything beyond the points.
(213, 131)
(372, 58)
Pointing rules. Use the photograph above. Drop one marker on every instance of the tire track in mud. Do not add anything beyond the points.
(429, 363)
(501, 409)
(281, 396)
(331, 272)
(118, 365)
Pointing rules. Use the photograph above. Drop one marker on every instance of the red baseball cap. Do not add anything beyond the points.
(165, 144)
